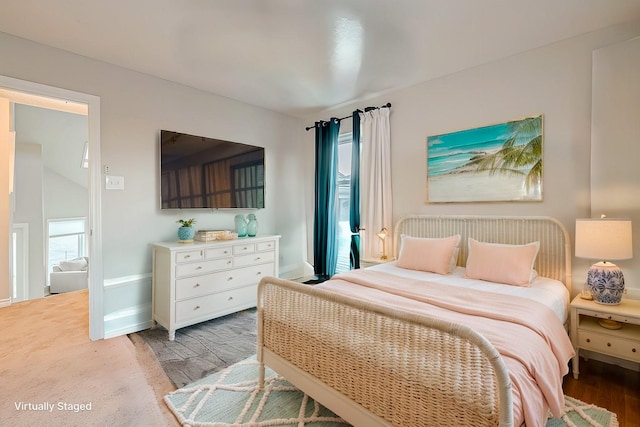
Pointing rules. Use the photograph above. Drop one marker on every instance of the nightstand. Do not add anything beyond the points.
(587, 334)
(368, 262)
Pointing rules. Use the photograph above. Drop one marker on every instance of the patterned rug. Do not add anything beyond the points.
(230, 398)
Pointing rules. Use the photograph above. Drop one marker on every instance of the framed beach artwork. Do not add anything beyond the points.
(501, 162)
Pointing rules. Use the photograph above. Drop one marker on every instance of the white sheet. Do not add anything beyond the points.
(549, 292)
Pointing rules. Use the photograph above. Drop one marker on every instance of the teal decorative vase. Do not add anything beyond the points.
(241, 225)
(252, 226)
(185, 234)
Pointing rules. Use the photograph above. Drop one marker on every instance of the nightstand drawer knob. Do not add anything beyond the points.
(633, 350)
(588, 339)
(608, 344)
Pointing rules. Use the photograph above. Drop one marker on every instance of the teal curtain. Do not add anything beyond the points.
(354, 193)
(325, 227)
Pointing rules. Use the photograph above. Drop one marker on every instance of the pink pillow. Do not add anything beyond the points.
(500, 263)
(427, 254)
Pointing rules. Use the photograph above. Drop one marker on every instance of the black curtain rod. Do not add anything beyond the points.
(387, 105)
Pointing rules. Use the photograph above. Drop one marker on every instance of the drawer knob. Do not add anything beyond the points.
(199, 267)
(229, 262)
(588, 339)
(230, 278)
(230, 298)
(258, 259)
(197, 307)
(197, 285)
(187, 256)
(259, 273)
(633, 350)
(608, 344)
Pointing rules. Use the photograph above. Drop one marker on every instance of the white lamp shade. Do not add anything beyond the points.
(604, 239)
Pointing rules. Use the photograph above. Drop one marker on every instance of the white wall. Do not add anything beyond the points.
(134, 107)
(29, 178)
(554, 81)
(615, 175)
(6, 138)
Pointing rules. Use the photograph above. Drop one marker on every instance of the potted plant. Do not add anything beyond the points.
(186, 230)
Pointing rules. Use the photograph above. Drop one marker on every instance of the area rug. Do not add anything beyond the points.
(230, 398)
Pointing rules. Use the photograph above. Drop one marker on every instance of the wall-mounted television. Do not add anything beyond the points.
(201, 172)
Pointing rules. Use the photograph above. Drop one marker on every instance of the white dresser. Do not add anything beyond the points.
(201, 281)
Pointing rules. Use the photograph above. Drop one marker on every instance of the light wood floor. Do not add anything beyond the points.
(608, 386)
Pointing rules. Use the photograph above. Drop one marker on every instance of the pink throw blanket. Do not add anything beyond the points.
(533, 343)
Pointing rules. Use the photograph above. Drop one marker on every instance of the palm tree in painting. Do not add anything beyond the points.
(521, 154)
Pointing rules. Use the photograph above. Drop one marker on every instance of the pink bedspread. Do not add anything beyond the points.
(533, 343)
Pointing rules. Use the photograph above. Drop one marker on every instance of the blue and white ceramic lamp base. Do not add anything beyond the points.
(606, 283)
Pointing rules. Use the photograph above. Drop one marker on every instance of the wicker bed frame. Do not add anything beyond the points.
(376, 366)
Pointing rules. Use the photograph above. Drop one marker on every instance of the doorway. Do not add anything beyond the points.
(29, 93)
(20, 262)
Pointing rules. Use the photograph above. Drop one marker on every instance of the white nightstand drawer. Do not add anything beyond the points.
(219, 302)
(608, 344)
(188, 256)
(203, 267)
(610, 316)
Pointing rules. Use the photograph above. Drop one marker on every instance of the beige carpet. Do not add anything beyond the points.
(53, 375)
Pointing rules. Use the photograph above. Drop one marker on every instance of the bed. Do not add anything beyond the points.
(391, 345)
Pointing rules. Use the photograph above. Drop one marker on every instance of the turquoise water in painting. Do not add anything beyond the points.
(447, 152)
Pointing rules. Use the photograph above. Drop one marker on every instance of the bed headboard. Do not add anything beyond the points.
(554, 256)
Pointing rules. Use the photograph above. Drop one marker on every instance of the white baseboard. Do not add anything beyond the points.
(5, 302)
(127, 321)
(127, 305)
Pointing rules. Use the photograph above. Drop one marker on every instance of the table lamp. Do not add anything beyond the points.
(604, 239)
(382, 234)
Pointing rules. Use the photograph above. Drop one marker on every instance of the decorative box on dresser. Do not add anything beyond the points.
(588, 334)
(201, 281)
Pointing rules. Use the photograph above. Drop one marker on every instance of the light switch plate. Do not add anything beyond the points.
(114, 182)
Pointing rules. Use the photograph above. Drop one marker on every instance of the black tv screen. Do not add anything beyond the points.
(201, 172)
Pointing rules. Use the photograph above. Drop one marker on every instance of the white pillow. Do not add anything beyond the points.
(501, 263)
(427, 254)
(73, 265)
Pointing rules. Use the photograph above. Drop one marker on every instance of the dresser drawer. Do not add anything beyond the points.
(222, 252)
(607, 344)
(248, 248)
(269, 245)
(257, 258)
(188, 256)
(219, 302)
(190, 287)
(203, 267)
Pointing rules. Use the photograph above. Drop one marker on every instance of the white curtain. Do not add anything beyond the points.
(375, 183)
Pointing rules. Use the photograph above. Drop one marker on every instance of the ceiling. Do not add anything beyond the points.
(302, 56)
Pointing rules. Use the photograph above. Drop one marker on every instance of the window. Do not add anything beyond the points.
(85, 156)
(248, 184)
(66, 240)
(344, 200)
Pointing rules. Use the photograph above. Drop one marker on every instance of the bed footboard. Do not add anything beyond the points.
(373, 365)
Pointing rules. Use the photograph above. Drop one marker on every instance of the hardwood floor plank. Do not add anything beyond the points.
(608, 386)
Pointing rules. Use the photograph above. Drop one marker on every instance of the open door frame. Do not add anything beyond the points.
(96, 299)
